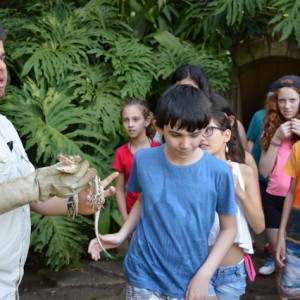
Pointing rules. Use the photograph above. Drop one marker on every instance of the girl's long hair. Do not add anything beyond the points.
(220, 104)
(273, 119)
(236, 152)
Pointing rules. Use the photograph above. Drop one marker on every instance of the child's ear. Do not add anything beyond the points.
(227, 134)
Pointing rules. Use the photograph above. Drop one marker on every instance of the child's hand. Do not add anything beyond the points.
(108, 241)
(198, 288)
(283, 131)
(94, 249)
(295, 126)
(280, 250)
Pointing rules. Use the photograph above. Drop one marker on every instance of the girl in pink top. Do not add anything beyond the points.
(137, 120)
(281, 131)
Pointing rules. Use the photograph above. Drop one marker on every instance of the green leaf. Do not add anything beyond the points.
(165, 39)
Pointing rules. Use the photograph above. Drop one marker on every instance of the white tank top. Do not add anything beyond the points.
(243, 237)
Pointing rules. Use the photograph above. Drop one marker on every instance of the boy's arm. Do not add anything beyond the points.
(198, 286)
(280, 244)
(116, 239)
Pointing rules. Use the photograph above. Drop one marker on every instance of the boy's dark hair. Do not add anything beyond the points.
(2, 33)
(194, 73)
(184, 106)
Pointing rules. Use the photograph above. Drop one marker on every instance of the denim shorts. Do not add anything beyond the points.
(290, 280)
(136, 293)
(228, 283)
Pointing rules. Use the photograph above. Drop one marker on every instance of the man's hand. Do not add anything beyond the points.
(52, 182)
(84, 206)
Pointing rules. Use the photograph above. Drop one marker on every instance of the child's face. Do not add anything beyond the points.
(288, 102)
(134, 121)
(180, 143)
(214, 139)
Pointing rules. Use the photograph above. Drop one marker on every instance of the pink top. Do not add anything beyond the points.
(279, 182)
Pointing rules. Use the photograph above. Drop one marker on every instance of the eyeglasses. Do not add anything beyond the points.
(209, 130)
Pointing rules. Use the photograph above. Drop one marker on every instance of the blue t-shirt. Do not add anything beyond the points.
(179, 202)
(254, 133)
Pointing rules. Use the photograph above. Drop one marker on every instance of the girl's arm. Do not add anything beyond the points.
(198, 286)
(280, 244)
(250, 199)
(267, 161)
(250, 145)
(249, 160)
(242, 135)
(268, 158)
(121, 196)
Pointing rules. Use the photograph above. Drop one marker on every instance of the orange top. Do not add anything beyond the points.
(292, 168)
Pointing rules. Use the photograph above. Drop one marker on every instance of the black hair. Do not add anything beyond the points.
(2, 33)
(236, 151)
(185, 106)
(145, 109)
(218, 102)
(195, 73)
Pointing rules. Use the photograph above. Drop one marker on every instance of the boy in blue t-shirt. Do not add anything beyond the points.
(181, 187)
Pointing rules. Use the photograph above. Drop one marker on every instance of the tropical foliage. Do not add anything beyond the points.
(73, 63)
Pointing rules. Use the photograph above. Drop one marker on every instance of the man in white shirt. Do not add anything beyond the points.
(22, 188)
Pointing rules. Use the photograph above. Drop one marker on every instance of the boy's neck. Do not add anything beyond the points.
(183, 161)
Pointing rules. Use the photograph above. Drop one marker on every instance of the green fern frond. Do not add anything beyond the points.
(61, 238)
(217, 68)
(286, 21)
(52, 44)
(133, 66)
(49, 120)
(96, 87)
(101, 16)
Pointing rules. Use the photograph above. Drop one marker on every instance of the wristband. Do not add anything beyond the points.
(70, 206)
(274, 143)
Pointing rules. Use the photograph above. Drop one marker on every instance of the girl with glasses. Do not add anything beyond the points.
(220, 140)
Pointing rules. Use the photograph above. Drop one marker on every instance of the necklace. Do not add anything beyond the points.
(129, 146)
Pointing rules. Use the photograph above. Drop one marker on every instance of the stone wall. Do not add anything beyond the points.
(258, 62)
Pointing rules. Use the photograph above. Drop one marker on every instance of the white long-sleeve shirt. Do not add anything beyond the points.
(14, 225)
